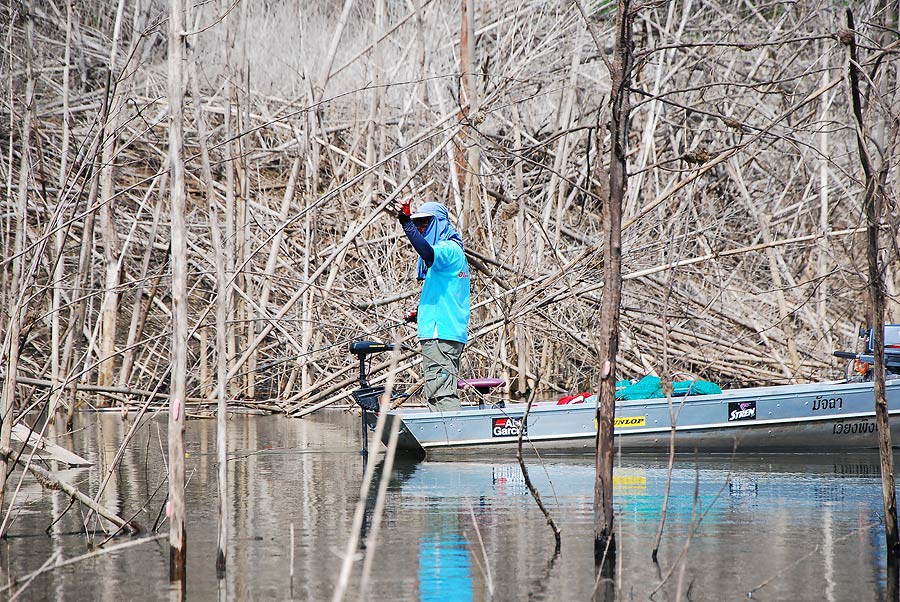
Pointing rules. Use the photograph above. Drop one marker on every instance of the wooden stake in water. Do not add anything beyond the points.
(611, 300)
(872, 202)
(177, 547)
(221, 327)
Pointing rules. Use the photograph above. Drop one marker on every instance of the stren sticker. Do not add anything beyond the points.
(741, 410)
(626, 421)
(506, 427)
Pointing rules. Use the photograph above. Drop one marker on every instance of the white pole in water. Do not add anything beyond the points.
(177, 551)
(221, 327)
(292, 557)
(221, 406)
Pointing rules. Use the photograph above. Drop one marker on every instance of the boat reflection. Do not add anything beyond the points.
(638, 481)
(760, 510)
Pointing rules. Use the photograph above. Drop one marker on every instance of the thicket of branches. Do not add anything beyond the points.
(743, 229)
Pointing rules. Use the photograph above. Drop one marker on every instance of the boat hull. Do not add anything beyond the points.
(821, 417)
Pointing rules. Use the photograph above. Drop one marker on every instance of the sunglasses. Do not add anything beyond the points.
(422, 223)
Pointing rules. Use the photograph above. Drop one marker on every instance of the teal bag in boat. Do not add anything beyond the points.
(650, 387)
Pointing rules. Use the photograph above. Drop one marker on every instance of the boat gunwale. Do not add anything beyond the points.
(416, 419)
(729, 396)
(759, 424)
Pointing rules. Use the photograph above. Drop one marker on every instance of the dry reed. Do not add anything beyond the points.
(742, 209)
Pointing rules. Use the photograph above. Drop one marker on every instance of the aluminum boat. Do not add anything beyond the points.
(825, 416)
(836, 416)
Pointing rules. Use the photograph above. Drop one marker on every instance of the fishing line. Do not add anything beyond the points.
(340, 343)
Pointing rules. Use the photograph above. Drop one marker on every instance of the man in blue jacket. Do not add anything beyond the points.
(443, 313)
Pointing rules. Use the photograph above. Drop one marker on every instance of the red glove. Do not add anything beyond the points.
(411, 316)
(403, 210)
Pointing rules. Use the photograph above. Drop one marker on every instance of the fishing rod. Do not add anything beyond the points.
(344, 342)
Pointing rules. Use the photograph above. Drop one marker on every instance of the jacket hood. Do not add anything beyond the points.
(438, 230)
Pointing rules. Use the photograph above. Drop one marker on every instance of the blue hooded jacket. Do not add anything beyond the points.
(444, 304)
(439, 229)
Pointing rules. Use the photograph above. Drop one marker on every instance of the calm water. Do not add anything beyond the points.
(784, 527)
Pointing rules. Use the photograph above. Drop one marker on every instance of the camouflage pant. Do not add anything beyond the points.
(440, 361)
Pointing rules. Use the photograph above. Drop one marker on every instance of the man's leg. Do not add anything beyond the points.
(440, 361)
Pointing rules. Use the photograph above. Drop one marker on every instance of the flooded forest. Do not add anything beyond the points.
(205, 217)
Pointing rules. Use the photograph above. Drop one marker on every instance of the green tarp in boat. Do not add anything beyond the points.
(650, 387)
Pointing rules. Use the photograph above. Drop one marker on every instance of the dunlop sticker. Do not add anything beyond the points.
(625, 421)
(627, 481)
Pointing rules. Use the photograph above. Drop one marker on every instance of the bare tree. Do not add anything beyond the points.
(16, 299)
(875, 178)
(179, 258)
(611, 299)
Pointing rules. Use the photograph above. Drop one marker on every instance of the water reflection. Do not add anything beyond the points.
(774, 526)
(445, 568)
(782, 527)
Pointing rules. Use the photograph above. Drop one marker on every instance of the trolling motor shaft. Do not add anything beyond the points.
(367, 397)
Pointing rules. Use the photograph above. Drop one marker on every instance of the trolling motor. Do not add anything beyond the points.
(860, 366)
(369, 397)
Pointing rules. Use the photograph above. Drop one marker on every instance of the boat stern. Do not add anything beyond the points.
(407, 444)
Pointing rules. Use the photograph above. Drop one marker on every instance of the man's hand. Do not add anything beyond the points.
(411, 316)
(401, 208)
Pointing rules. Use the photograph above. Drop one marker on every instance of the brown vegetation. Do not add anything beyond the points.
(743, 233)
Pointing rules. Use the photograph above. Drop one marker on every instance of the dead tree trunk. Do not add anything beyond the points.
(218, 259)
(16, 299)
(110, 307)
(467, 155)
(872, 197)
(78, 312)
(60, 235)
(177, 547)
(620, 74)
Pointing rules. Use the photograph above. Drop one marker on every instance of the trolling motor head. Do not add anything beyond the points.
(368, 397)
(363, 348)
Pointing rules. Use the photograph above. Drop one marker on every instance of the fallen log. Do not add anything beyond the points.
(48, 481)
(44, 447)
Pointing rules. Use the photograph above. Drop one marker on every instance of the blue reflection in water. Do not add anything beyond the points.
(444, 568)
